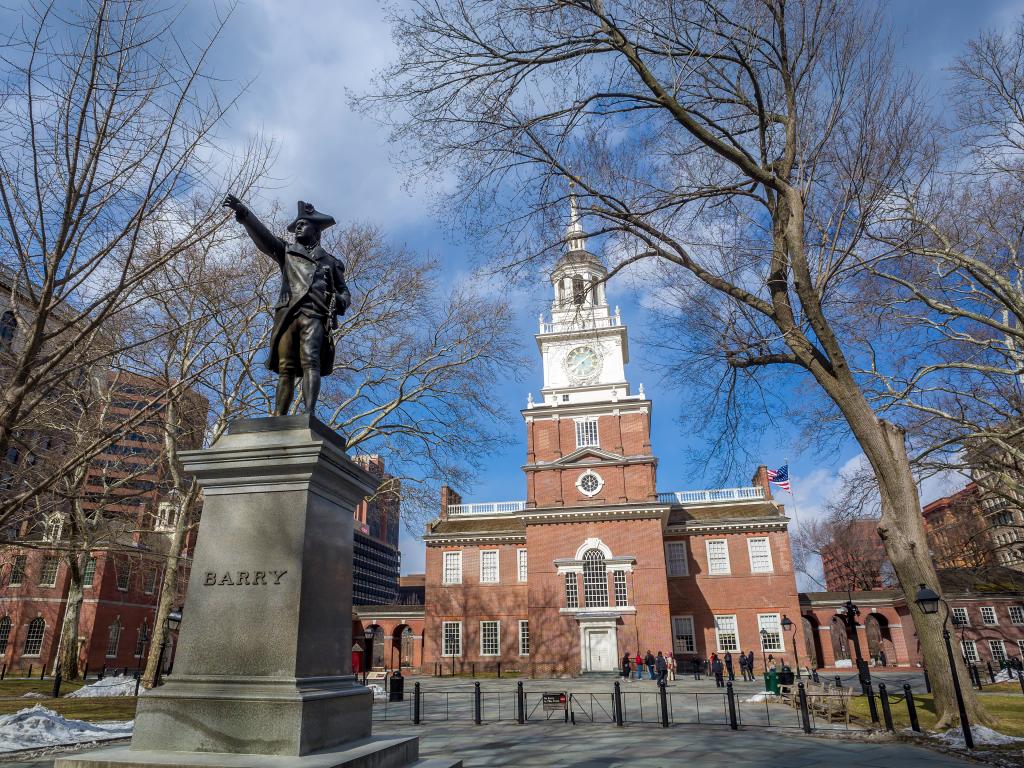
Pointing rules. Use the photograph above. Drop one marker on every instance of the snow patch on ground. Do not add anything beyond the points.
(762, 696)
(41, 727)
(117, 685)
(34, 695)
(954, 737)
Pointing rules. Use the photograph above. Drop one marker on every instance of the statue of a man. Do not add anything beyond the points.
(313, 294)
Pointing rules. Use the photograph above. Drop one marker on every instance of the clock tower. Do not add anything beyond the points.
(588, 437)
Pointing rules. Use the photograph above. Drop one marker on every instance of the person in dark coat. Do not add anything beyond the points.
(728, 666)
(626, 665)
(695, 666)
(649, 662)
(313, 294)
(881, 659)
(717, 669)
(750, 663)
(661, 666)
(743, 667)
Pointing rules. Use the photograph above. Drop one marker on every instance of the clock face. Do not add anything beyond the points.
(582, 364)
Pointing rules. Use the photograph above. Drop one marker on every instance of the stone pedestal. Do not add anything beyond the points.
(263, 664)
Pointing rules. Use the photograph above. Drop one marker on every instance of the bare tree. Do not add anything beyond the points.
(744, 145)
(107, 136)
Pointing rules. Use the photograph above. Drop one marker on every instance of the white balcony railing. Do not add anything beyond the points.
(581, 324)
(712, 496)
(486, 508)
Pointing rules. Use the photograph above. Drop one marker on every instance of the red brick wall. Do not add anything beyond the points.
(741, 593)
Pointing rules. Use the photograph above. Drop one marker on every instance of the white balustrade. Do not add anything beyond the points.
(486, 508)
(589, 324)
(713, 495)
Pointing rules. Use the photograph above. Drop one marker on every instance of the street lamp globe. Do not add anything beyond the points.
(174, 620)
(927, 600)
(787, 624)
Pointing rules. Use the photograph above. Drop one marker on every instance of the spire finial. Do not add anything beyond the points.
(574, 234)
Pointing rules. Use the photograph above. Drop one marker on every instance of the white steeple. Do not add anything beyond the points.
(574, 234)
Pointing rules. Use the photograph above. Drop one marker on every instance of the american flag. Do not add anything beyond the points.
(780, 477)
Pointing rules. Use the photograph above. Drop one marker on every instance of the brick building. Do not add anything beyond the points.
(125, 493)
(595, 562)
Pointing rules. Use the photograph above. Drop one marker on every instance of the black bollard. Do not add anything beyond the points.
(42, 672)
(869, 691)
(839, 682)
(814, 676)
(416, 704)
(472, 669)
(805, 715)
(991, 673)
(731, 696)
(663, 690)
(886, 712)
(1020, 678)
(911, 708)
(617, 703)
(30, 671)
(476, 703)
(499, 670)
(927, 682)
(103, 672)
(520, 703)
(138, 680)
(3, 672)
(85, 675)
(56, 685)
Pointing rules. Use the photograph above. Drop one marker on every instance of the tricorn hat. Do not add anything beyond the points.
(306, 211)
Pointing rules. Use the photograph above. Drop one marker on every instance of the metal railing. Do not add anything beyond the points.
(486, 508)
(581, 324)
(807, 708)
(712, 495)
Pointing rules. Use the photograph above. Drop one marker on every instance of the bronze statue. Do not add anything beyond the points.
(313, 295)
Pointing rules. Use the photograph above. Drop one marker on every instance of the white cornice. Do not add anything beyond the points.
(459, 538)
(552, 514)
(727, 526)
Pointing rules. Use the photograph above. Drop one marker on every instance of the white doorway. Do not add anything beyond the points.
(599, 651)
(598, 643)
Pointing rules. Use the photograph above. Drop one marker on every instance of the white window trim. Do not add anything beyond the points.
(1020, 613)
(444, 564)
(522, 566)
(524, 623)
(497, 625)
(597, 434)
(995, 616)
(750, 554)
(778, 622)
(735, 633)
(967, 616)
(964, 645)
(686, 559)
(444, 625)
(497, 566)
(589, 473)
(728, 562)
(992, 645)
(693, 634)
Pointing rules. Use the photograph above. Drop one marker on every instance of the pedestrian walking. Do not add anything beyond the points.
(750, 663)
(671, 667)
(649, 661)
(744, 671)
(626, 668)
(881, 658)
(717, 669)
(639, 666)
(728, 667)
(661, 667)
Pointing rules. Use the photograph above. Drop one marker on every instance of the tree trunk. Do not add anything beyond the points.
(67, 661)
(168, 591)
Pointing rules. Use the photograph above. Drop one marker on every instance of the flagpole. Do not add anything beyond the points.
(792, 495)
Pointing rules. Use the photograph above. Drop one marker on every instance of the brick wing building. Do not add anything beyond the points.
(595, 562)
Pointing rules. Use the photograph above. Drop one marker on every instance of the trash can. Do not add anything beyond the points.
(786, 676)
(397, 687)
(771, 682)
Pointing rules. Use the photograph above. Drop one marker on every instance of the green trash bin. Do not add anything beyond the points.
(771, 682)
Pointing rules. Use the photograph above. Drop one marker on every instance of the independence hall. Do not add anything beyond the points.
(596, 562)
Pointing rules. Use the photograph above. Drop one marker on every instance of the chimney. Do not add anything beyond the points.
(448, 497)
(761, 479)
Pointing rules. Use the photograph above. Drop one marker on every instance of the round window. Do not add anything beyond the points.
(589, 483)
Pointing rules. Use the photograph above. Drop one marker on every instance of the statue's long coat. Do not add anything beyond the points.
(298, 271)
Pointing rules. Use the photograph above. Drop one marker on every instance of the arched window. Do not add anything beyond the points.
(34, 637)
(8, 325)
(579, 290)
(595, 580)
(5, 633)
(113, 638)
(141, 640)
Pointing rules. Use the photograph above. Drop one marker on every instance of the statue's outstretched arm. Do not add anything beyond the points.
(265, 240)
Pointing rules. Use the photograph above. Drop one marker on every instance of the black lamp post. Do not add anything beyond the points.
(171, 624)
(852, 611)
(928, 601)
(368, 655)
(764, 638)
(789, 626)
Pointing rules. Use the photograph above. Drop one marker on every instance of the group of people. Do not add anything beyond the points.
(663, 668)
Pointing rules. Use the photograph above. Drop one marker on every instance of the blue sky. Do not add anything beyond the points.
(301, 58)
